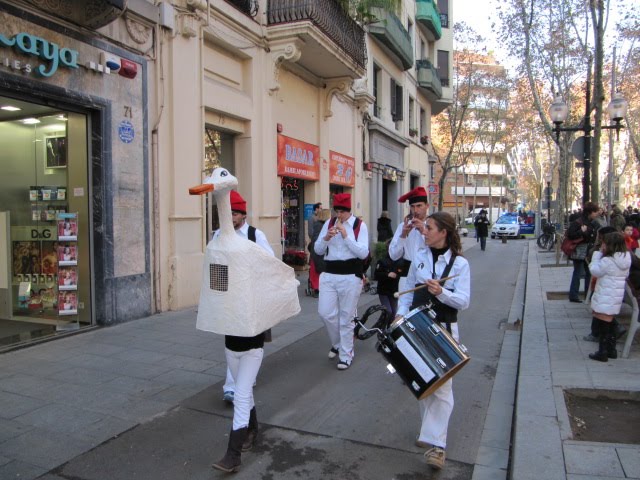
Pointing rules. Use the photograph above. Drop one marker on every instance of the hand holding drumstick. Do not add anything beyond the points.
(433, 285)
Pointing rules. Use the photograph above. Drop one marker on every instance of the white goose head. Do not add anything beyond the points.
(220, 180)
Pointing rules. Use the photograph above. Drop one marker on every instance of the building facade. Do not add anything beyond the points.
(135, 101)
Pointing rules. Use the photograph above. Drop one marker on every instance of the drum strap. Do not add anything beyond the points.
(421, 297)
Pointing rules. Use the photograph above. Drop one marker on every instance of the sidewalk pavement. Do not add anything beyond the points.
(553, 358)
(60, 399)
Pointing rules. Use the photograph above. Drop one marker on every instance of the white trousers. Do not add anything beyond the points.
(435, 410)
(244, 368)
(337, 305)
(229, 382)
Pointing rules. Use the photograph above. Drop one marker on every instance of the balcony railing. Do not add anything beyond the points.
(328, 17)
(390, 32)
(428, 17)
(248, 7)
(428, 79)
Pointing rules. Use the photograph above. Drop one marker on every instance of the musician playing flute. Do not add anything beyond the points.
(441, 256)
(341, 282)
(408, 239)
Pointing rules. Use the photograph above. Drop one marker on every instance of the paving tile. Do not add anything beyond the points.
(11, 428)
(177, 394)
(12, 405)
(28, 385)
(83, 376)
(497, 458)
(630, 460)
(136, 386)
(190, 363)
(143, 356)
(592, 460)
(537, 437)
(20, 470)
(60, 418)
(43, 448)
(535, 396)
(480, 472)
(184, 377)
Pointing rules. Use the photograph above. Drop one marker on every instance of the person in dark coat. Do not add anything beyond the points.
(482, 228)
(584, 228)
(387, 274)
(385, 232)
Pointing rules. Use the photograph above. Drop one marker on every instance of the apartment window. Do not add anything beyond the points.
(377, 80)
(443, 6)
(423, 49)
(423, 122)
(443, 67)
(396, 101)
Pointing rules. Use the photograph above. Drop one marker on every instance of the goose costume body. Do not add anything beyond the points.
(245, 290)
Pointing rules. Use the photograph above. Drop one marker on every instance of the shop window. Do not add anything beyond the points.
(292, 190)
(44, 227)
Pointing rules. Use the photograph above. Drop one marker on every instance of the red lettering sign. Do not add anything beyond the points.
(342, 169)
(298, 159)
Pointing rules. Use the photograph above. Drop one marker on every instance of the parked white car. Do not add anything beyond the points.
(506, 226)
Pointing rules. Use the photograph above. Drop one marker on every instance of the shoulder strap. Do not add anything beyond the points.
(356, 227)
(251, 234)
(445, 272)
(332, 221)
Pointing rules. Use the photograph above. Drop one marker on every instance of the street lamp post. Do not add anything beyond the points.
(558, 112)
(548, 177)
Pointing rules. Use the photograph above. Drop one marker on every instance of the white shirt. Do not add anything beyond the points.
(405, 247)
(343, 248)
(421, 271)
(261, 238)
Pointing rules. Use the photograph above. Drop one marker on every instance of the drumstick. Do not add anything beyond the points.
(439, 280)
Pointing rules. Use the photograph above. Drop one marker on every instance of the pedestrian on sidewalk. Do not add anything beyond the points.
(408, 239)
(594, 335)
(387, 274)
(341, 282)
(482, 224)
(610, 266)
(244, 358)
(583, 228)
(443, 252)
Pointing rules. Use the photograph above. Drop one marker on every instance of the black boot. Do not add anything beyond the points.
(231, 460)
(611, 341)
(601, 354)
(252, 431)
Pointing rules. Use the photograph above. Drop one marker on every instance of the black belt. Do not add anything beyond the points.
(353, 266)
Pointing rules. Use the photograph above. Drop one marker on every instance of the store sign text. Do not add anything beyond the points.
(50, 52)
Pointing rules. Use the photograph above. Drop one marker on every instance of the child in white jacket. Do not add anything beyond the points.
(610, 266)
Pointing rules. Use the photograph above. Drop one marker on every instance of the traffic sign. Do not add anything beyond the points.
(433, 189)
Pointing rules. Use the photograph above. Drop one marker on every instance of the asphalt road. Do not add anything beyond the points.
(321, 423)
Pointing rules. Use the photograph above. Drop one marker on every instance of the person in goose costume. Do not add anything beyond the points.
(241, 281)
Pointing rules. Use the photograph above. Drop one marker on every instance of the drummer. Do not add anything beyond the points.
(441, 257)
(408, 239)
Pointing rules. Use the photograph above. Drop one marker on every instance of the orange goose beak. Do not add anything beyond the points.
(201, 189)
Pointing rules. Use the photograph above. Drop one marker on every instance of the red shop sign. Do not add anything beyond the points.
(342, 169)
(298, 159)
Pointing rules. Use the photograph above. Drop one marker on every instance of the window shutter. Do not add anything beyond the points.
(393, 102)
(399, 104)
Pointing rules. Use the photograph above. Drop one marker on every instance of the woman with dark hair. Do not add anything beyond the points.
(610, 265)
(584, 228)
(441, 257)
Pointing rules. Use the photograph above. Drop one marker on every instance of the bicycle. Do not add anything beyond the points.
(548, 238)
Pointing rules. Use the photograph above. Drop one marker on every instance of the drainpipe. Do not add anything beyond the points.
(155, 166)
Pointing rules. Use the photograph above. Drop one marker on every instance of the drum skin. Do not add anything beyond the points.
(422, 352)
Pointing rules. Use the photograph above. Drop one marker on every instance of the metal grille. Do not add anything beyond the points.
(329, 17)
(219, 277)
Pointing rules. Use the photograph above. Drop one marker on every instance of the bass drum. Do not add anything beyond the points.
(422, 352)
